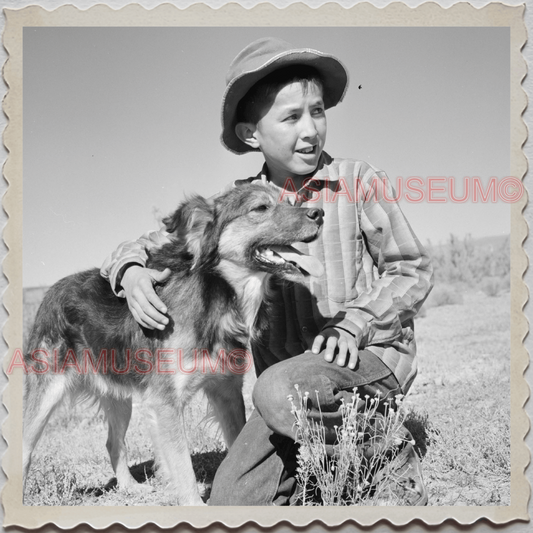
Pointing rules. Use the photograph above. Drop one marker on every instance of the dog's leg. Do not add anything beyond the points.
(170, 444)
(225, 397)
(118, 413)
(42, 396)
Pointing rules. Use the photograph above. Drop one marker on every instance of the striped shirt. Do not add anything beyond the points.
(377, 274)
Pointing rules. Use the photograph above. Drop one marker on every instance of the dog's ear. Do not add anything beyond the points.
(193, 223)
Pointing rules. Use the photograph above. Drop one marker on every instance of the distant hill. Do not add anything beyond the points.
(31, 295)
(482, 257)
(31, 300)
(494, 241)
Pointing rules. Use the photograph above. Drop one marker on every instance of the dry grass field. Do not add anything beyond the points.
(460, 402)
(459, 414)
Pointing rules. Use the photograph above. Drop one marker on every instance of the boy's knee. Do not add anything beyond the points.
(270, 397)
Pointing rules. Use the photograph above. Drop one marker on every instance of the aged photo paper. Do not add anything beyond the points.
(114, 118)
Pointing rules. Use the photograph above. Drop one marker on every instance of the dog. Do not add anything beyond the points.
(222, 253)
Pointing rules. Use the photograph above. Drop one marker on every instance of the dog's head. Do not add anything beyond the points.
(249, 227)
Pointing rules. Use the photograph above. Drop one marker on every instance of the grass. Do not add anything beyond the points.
(458, 412)
(460, 403)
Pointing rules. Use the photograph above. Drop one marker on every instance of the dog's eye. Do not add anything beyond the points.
(263, 207)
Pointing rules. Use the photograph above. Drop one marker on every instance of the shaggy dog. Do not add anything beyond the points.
(86, 343)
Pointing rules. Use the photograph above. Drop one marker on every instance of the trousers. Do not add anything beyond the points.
(260, 468)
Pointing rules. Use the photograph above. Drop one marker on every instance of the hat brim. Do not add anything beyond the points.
(332, 72)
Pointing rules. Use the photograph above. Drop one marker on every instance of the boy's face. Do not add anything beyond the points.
(292, 134)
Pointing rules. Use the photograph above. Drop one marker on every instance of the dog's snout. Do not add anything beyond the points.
(316, 214)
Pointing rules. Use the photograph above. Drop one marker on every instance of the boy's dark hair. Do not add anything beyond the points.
(261, 96)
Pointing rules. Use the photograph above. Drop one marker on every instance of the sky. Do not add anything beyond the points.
(120, 124)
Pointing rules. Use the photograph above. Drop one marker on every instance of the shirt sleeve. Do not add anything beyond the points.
(404, 274)
(131, 252)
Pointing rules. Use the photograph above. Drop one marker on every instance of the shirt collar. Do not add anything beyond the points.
(321, 173)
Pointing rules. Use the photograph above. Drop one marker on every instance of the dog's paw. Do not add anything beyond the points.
(137, 488)
(195, 503)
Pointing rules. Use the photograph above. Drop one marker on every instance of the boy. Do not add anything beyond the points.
(351, 328)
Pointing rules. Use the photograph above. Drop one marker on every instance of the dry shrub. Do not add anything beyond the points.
(492, 285)
(470, 260)
(444, 295)
(348, 475)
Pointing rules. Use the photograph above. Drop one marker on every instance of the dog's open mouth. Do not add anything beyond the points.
(285, 255)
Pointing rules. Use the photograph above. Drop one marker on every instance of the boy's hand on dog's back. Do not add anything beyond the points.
(145, 306)
(340, 346)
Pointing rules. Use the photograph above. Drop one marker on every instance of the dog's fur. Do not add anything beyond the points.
(214, 298)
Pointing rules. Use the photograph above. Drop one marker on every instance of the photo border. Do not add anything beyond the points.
(397, 14)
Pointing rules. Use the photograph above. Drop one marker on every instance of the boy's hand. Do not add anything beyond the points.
(145, 306)
(340, 341)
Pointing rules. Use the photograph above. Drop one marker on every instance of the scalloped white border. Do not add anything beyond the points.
(394, 14)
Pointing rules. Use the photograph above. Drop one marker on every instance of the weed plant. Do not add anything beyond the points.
(359, 468)
(54, 484)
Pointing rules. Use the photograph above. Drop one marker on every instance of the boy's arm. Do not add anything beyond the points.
(125, 270)
(130, 253)
(405, 273)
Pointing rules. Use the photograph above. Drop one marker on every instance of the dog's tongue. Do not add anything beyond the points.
(307, 262)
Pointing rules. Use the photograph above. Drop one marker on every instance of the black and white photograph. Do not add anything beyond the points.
(267, 266)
